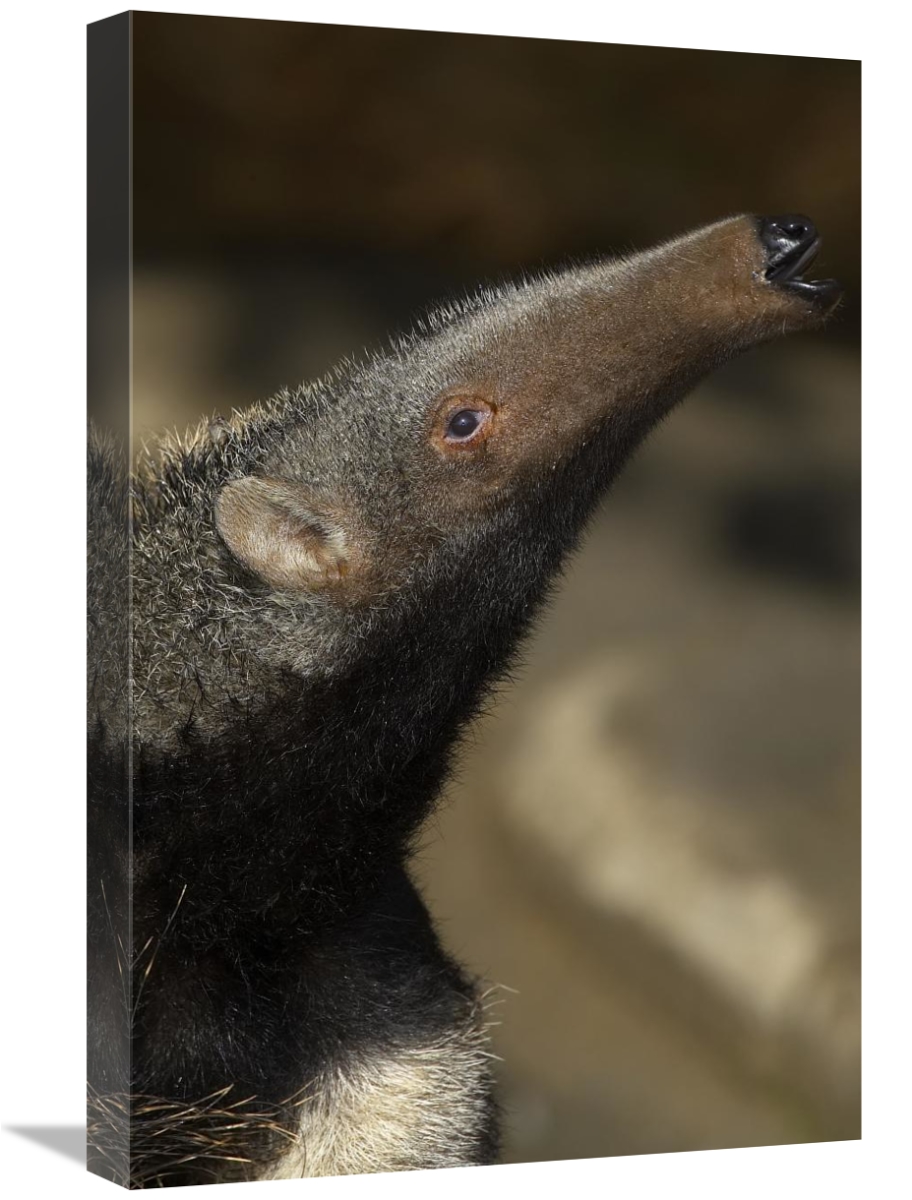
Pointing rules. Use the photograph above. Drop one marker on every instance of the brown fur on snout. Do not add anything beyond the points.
(619, 342)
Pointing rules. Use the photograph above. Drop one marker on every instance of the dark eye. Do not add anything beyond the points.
(463, 424)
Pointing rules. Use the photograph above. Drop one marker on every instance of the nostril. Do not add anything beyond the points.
(798, 228)
(790, 243)
(780, 235)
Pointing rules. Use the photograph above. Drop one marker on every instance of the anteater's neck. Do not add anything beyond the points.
(327, 785)
(321, 780)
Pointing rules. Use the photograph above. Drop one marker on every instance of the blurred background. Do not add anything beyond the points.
(653, 844)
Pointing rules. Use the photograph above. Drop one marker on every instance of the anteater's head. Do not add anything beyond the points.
(422, 500)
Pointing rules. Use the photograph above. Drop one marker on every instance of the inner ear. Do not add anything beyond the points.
(277, 530)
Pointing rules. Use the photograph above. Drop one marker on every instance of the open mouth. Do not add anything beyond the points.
(791, 245)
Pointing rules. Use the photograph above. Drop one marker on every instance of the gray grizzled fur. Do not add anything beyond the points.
(324, 589)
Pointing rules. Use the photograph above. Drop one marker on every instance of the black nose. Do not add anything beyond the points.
(787, 241)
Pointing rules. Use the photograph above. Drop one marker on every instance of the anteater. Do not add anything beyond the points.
(323, 590)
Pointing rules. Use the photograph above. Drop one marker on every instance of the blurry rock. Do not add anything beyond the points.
(692, 797)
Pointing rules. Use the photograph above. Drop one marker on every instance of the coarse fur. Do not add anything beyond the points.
(324, 590)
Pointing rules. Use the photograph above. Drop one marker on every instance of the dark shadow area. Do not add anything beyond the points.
(807, 530)
(68, 1140)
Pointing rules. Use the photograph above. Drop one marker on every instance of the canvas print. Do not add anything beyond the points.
(473, 725)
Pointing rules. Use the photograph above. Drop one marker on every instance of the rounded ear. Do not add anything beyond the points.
(274, 528)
